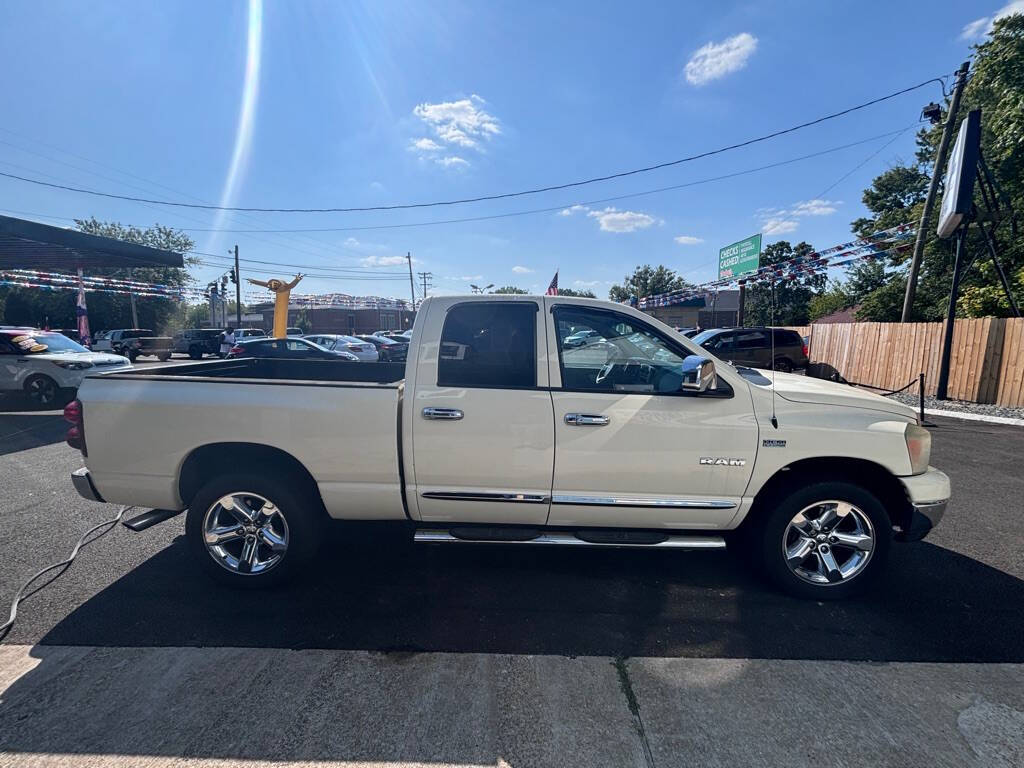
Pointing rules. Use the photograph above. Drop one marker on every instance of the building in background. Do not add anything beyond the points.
(337, 313)
(710, 310)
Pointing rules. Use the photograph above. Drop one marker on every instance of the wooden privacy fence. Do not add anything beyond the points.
(986, 365)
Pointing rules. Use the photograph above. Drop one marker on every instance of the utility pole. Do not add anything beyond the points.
(426, 277)
(929, 202)
(135, 312)
(238, 292)
(412, 285)
(743, 296)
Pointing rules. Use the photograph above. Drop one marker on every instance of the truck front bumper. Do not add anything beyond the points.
(82, 481)
(929, 495)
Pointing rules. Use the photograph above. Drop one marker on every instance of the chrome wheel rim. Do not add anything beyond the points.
(42, 391)
(245, 533)
(828, 543)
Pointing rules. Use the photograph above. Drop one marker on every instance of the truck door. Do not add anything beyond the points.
(480, 414)
(632, 449)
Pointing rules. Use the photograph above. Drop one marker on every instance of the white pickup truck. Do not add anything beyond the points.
(496, 431)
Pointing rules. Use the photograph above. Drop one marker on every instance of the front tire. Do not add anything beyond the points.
(784, 365)
(253, 531)
(825, 541)
(195, 353)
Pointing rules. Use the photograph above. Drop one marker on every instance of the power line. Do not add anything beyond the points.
(497, 196)
(550, 209)
(312, 274)
(354, 270)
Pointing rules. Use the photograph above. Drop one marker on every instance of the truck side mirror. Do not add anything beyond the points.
(698, 374)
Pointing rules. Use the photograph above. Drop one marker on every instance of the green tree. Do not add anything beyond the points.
(792, 296)
(303, 321)
(579, 294)
(507, 289)
(996, 88)
(648, 281)
(834, 299)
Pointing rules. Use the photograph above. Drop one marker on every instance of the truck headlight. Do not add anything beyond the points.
(76, 365)
(919, 448)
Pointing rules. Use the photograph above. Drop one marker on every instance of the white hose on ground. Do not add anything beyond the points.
(20, 594)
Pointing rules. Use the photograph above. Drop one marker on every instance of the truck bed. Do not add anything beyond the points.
(262, 370)
(339, 420)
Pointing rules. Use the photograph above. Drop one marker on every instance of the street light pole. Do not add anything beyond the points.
(238, 293)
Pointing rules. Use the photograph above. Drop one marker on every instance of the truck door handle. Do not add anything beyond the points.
(585, 420)
(442, 414)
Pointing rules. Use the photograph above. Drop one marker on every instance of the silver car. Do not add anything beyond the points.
(364, 350)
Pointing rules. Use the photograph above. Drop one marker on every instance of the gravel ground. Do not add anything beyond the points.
(983, 409)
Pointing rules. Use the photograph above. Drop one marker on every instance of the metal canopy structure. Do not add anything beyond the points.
(31, 245)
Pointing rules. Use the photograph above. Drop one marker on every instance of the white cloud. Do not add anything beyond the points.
(779, 221)
(462, 123)
(586, 283)
(521, 270)
(351, 242)
(983, 26)
(778, 226)
(376, 185)
(814, 208)
(424, 145)
(688, 240)
(716, 60)
(572, 209)
(452, 161)
(383, 261)
(614, 220)
(469, 278)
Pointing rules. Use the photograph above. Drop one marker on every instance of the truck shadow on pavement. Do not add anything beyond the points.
(372, 589)
(22, 429)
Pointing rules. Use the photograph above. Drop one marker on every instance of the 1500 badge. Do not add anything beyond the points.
(716, 461)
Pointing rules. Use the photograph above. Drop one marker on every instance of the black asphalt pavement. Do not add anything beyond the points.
(958, 596)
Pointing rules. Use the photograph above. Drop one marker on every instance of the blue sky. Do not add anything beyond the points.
(371, 103)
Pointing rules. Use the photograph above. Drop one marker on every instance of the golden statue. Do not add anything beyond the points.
(282, 291)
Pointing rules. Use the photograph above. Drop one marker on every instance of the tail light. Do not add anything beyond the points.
(76, 434)
(236, 350)
(806, 351)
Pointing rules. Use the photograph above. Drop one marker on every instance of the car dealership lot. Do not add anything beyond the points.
(476, 655)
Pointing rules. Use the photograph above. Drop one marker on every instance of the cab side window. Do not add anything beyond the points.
(489, 344)
(604, 351)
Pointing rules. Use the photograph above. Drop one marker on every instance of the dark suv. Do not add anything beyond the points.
(196, 342)
(753, 347)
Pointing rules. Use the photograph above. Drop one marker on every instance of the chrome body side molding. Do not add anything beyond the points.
(628, 501)
(520, 498)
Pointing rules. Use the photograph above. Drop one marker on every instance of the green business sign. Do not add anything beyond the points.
(740, 258)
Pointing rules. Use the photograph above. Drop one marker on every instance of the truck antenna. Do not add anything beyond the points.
(775, 421)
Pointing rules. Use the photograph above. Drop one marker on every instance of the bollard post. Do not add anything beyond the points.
(920, 393)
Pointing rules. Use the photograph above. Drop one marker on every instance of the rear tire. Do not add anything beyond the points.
(195, 353)
(253, 530)
(784, 365)
(42, 391)
(163, 357)
(826, 541)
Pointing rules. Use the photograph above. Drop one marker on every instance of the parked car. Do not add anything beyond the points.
(292, 348)
(249, 333)
(495, 432)
(388, 350)
(196, 342)
(73, 334)
(47, 366)
(294, 332)
(363, 350)
(581, 338)
(133, 343)
(753, 347)
(688, 332)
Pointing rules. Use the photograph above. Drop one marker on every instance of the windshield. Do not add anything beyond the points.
(703, 336)
(39, 342)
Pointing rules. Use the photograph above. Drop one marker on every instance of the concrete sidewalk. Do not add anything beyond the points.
(83, 706)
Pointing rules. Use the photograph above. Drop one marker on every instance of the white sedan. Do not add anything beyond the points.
(45, 365)
(364, 350)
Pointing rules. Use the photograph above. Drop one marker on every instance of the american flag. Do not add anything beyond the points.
(553, 288)
(81, 312)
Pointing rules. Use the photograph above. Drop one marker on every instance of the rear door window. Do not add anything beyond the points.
(489, 345)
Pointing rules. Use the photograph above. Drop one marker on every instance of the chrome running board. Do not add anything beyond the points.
(562, 538)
